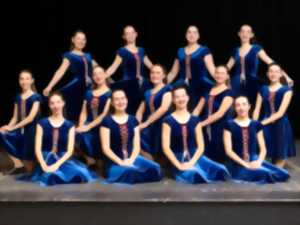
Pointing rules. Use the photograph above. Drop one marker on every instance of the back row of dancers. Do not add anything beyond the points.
(132, 125)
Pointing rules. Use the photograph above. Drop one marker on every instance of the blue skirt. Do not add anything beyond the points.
(71, 171)
(204, 171)
(279, 139)
(267, 173)
(19, 145)
(142, 171)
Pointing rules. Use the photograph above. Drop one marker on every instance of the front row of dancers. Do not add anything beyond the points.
(205, 145)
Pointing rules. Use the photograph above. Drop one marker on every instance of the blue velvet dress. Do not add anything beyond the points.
(244, 143)
(214, 132)
(121, 143)
(54, 146)
(151, 136)
(81, 69)
(89, 141)
(278, 135)
(244, 79)
(184, 145)
(133, 67)
(193, 71)
(20, 143)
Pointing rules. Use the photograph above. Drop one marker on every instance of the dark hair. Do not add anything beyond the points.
(73, 35)
(111, 108)
(57, 93)
(31, 74)
(180, 86)
(164, 70)
(94, 85)
(241, 96)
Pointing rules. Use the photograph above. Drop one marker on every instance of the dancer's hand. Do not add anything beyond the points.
(82, 129)
(47, 91)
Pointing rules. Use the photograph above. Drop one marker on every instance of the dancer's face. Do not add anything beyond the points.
(99, 76)
(274, 73)
(242, 106)
(192, 35)
(246, 33)
(119, 101)
(157, 75)
(56, 104)
(180, 98)
(129, 34)
(221, 75)
(79, 41)
(25, 81)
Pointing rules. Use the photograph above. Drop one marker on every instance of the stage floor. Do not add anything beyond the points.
(165, 191)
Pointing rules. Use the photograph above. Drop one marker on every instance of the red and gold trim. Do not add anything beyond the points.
(188, 71)
(55, 135)
(245, 137)
(138, 65)
(124, 139)
(186, 154)
(271, 99)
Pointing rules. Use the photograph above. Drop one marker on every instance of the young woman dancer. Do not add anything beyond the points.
(245, 146)
(183, 144)
(120, 137)
(275, 100)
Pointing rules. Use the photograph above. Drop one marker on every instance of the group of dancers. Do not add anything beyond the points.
(195, 121)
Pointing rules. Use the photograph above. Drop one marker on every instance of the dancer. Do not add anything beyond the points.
(245, 146)
(245, 60)
(95, 107)
(54, 146)
(183, 145)
(275, 100)
(152, 110)
(17, 137)
(216, 107)
(120, 139)
(193, 65)
(80, 65)
(133, 60)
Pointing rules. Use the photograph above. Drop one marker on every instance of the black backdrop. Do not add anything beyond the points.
(37, 33)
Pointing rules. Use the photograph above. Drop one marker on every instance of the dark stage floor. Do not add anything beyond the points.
(166, 202)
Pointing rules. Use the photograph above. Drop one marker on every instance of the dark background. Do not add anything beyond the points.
(37, 33)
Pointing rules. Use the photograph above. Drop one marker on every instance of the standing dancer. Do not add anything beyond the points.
(133, 60)
(80, 65)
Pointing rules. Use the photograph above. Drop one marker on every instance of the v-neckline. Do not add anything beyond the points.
(239, 52)
(133, 53)
(190, 54)
(190, 116)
